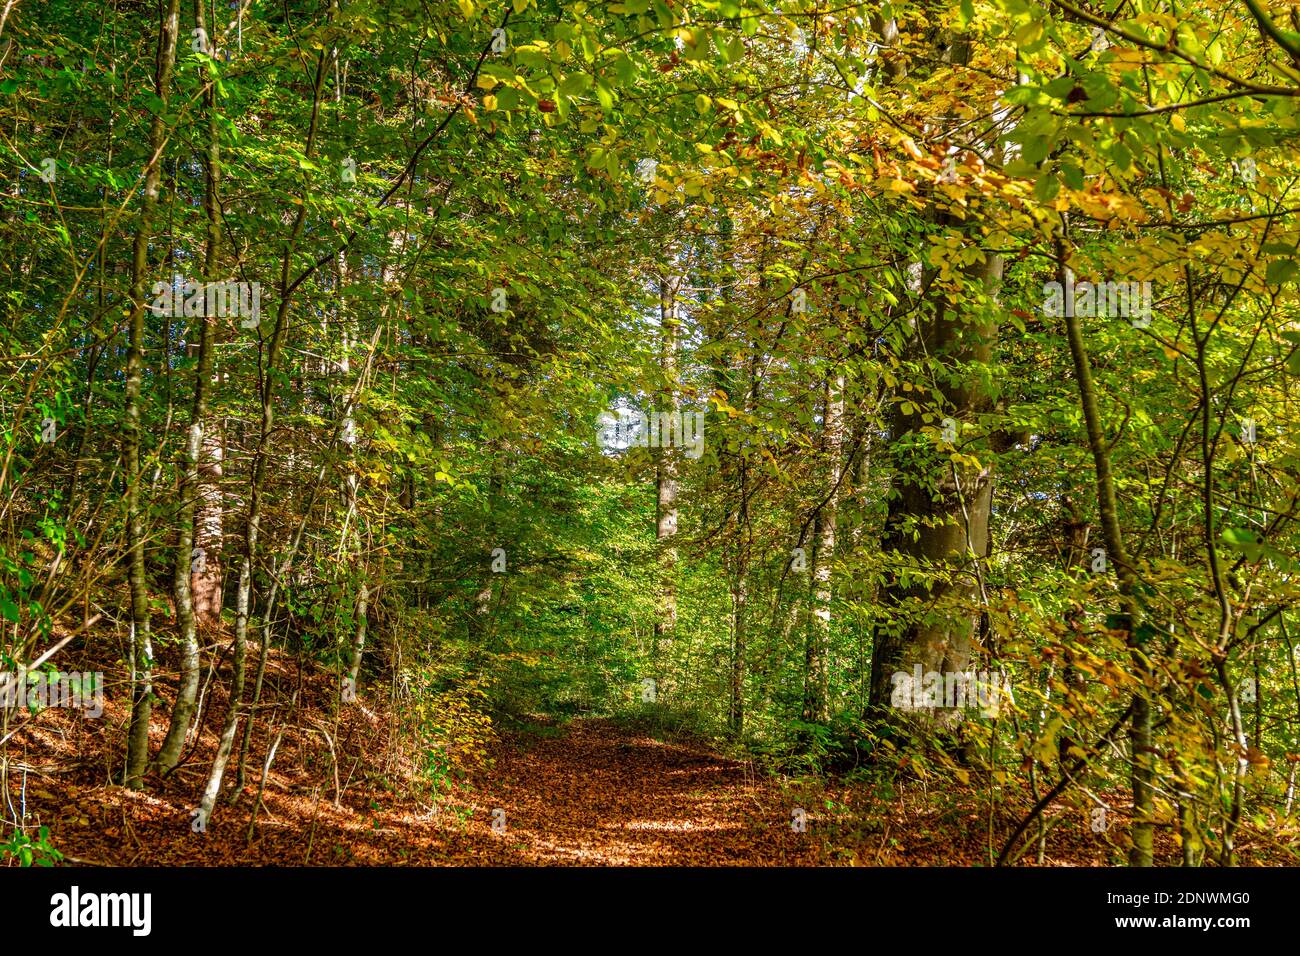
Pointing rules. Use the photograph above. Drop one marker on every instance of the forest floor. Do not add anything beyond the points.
(344, 788)
(591, 791)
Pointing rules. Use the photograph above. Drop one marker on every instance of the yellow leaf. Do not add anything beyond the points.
(1044, 748)
(1027, 33)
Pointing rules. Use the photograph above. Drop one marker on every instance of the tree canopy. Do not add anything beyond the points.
(896, 392)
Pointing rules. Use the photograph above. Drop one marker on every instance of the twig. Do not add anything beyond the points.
(1070, 774)
(315, 815)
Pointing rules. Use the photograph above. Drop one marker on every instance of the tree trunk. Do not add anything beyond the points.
(1141, 853)
(939, 515)
(816, 707)
(666, 469)
(207, 585)
(185, 569)
(257, 482)
(351, 502)
(137, 751)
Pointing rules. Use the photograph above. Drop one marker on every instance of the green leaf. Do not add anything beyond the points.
(1035, 149)
(1072, 175)
(732, 49)
(1244, 540)
(507, 98)
(1281, 271)
(575, 84)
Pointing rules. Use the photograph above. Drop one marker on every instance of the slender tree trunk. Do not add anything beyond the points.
(1141, 853)
(1076, 564)
(137, 752)
(257, 483)
(666, 468)
(360, 610)
(185, 567)
(816, 707)
(207, 585)
(361, 604)
(740, 606)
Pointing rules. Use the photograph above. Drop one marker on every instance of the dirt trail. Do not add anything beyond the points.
(586, 793)
(597, 794)
(343, 791)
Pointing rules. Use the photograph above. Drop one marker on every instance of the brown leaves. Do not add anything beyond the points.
(599, 795)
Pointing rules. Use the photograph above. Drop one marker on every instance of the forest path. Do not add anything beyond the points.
(595, 793)
(591, 792)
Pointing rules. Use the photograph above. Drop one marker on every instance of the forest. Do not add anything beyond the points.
(652, 433)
